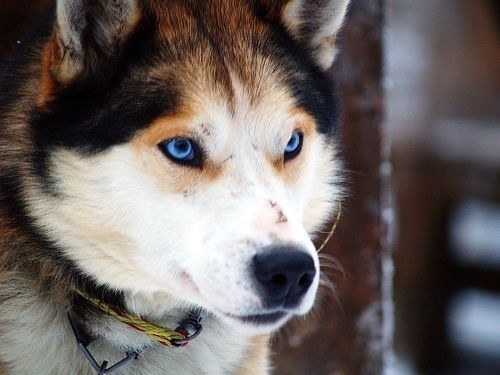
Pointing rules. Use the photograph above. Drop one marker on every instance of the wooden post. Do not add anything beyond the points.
(354, 335)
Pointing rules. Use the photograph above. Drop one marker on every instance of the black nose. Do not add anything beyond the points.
(283, 276)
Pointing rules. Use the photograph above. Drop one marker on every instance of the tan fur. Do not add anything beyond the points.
(47, 84)
(256, 360)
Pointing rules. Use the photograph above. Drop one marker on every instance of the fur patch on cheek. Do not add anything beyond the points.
(324, 187)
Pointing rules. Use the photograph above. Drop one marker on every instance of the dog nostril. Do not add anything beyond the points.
(279, 280)
(305, 280)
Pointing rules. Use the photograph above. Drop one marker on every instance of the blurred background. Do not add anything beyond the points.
(442, 79)
(414, 266)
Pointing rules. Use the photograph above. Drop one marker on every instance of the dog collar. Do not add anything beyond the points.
(188, 329)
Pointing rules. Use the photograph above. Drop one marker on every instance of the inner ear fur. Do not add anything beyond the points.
(88, 35)
(314, 23)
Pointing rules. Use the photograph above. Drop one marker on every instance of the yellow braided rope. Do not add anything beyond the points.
(334, 226)
(161, 334)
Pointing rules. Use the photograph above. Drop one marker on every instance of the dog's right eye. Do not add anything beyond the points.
(182, 151)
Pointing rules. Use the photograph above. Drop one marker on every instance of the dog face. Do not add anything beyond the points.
(184, 149)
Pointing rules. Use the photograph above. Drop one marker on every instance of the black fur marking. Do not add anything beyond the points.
(312, 88)
(92, 120)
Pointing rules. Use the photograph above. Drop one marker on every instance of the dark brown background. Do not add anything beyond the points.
(346, 336)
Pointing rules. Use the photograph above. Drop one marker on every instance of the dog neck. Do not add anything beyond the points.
(36, 336)
(34, 327)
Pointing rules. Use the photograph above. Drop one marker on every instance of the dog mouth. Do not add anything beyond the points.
(260, 319)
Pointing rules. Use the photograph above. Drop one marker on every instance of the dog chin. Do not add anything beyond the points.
(257, 324)
(264, 321)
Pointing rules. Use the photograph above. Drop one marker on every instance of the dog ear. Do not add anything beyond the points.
(315, 23)
(88, 34)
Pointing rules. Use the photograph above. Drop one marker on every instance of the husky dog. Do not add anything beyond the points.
(161, 157)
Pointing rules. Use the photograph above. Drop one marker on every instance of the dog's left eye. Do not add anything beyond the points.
(181, 151)
(294, 145)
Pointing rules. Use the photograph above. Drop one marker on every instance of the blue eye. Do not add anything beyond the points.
(294, 145)
(181, 151)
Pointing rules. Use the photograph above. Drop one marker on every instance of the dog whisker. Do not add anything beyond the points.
(324, 281)
(332, 267)
(328, 261)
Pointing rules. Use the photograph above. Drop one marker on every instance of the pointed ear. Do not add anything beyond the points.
(312, 22)
(87, 35)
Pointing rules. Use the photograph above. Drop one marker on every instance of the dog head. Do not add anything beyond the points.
(184, 148)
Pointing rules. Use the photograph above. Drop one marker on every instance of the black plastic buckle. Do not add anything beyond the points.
(103, 368)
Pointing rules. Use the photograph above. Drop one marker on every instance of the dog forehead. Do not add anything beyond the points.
(212, 90)
(221, 52)
(223, 45)
(232, 116)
